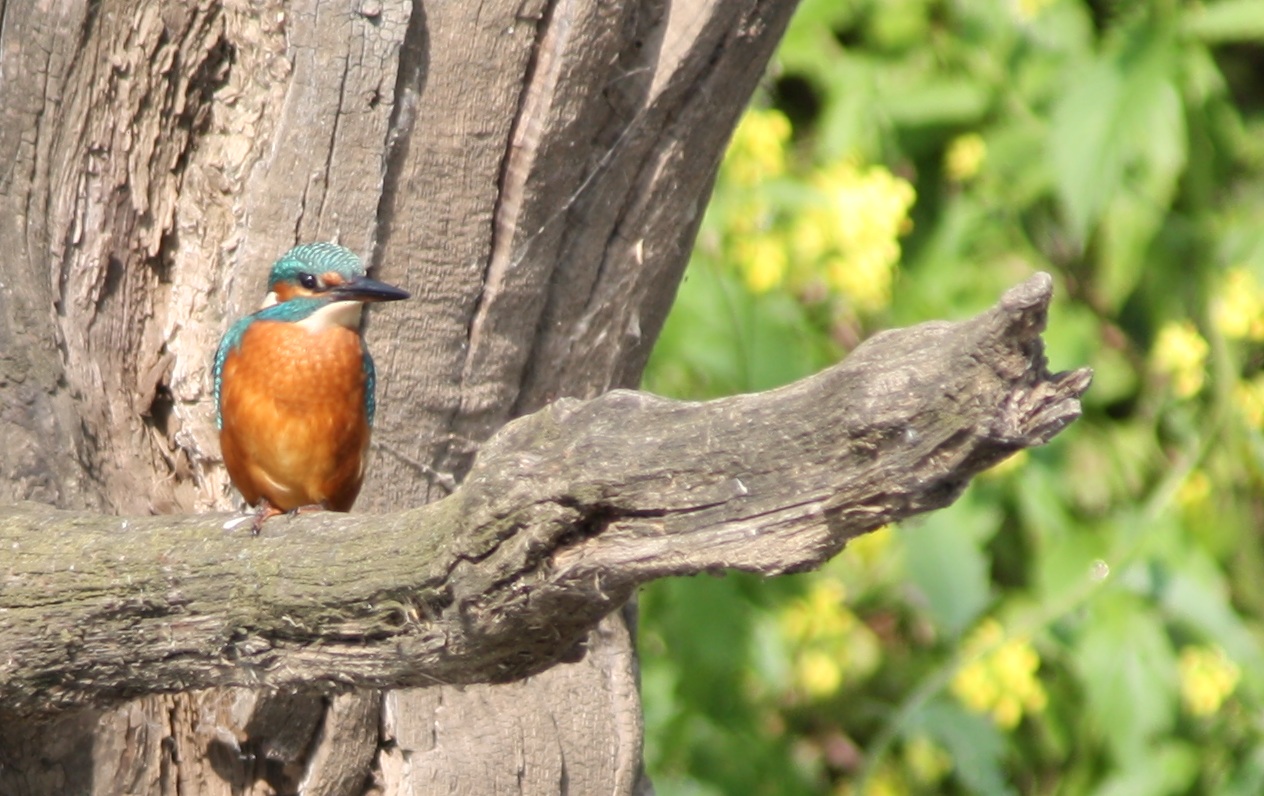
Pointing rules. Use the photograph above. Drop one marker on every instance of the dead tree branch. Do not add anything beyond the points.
(564, 514)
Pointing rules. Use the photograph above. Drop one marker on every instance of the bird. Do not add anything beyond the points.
(294, 385)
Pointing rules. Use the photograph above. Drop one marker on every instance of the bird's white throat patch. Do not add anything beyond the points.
(338, 313)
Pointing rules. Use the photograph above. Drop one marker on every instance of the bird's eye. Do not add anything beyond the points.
(308, 281)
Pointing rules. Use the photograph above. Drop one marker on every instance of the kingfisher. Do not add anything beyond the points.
(294, 385)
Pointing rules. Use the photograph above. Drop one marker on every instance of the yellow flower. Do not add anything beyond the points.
(976, 688)
(865, 278)
(758, 149)
(819, 673)
(886, 780)
(1011, 465)
(1030, 9)
(865, 212)
(999, 678)
(811, 234)
(926, 760)
(1249, 398)
(821, 613)
(1238, 308)
(964, 157)
(1181, 353)
(1194, 491)
(750, 216)
(762, 261)
(1208, 677)
(872, 547)
(829, 644)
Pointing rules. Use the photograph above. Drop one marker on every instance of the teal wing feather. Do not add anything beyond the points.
(370, 386)
(230, 341)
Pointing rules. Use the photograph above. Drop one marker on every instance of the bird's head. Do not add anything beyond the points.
(325, 271)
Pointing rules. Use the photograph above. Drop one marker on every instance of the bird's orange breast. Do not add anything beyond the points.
(294, 429)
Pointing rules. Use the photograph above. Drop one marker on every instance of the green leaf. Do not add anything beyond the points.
(947, 564)
(1139, 209)
(1066, 565)
(1129, 224)
(1085, 146)
(1128, 668)
(1170, 768)
(1195, 592)
(721, 340)
(1115, 377)
(1227, 21)
(940, 101)
(849, 125)
(976, 745)
(697, 640)
(1248, 779)
(1124, 111)
(809, 38)
(1042, 503)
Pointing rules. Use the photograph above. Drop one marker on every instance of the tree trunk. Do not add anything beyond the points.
(533, 171)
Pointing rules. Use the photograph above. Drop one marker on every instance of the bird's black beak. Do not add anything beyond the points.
(365, 289)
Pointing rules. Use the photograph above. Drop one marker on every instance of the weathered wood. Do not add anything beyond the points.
(564, 513)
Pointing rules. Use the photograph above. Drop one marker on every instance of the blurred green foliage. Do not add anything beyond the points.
(1087, 618)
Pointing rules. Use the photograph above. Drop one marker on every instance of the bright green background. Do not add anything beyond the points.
(1086, 619)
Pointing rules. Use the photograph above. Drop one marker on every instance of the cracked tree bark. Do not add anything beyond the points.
(534, 172)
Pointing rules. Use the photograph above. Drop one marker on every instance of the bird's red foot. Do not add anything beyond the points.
(308, 509)
(265, 511)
